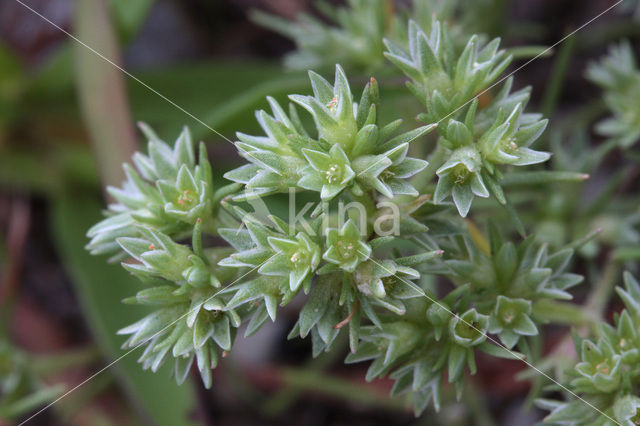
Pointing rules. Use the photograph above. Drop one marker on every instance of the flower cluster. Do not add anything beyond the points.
(498, 294)
(473, 159)
(350, 149)
(355, 33)
(200, 294)
(350, 281)
(618, 75)
(382, 288)
(513, 281)
(168, 192)
(426, 345)
(479, 142)
(169, 197)
(440, 79)
(190, 321)
(607, 373)
(356, 42)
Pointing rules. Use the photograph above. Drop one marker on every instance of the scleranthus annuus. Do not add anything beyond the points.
(379, 285)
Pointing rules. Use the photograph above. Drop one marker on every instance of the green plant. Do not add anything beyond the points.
(607, 374)
(354, 37)
(618, 75)
(375, 267)
(22, 390)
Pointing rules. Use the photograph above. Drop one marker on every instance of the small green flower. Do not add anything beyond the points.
(294, 258)
(466, 331)
(346, 249)
(186, 198)
(327, 173)
(510, 320)
(507, 141)
(600, 366)
(402, 168)
(474, 159)
(158, 255)
(332, 109)
(469, 329)
(388, 172)
(460, 177)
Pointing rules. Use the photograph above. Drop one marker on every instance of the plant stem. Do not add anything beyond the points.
(346, 390)
(601, 293)
(527, 52)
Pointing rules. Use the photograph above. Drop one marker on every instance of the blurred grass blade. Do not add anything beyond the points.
(528, 52)
(100, 287)
(556, 80)
(101, 87)
(542, 177)
(223, 95)
(31, 402)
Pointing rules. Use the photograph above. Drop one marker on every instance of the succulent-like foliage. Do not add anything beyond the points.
(356, 41)
(346, 248)
(417, 350)
(354, 33)
(479, 142)
(440, 79)
(470, 164)
(528, 270)
(21, 391)
(374, 275)
(618, 75)
(296, 258)
(474, 159)
(348, 150)
(497, 294)
(169, 192)
(348, 280)
(606, 374)
(190, 321)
